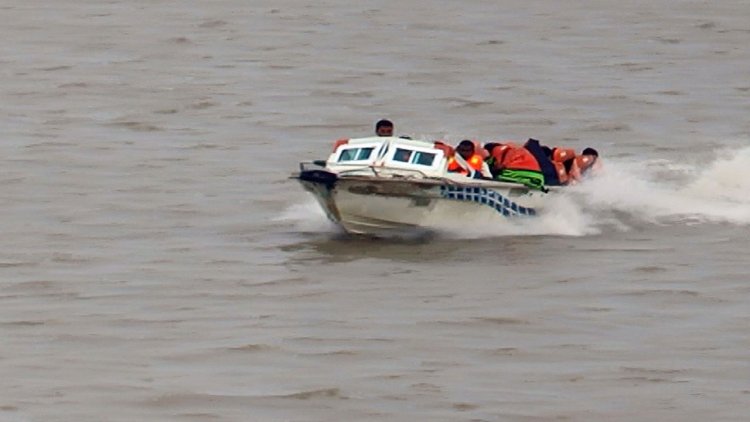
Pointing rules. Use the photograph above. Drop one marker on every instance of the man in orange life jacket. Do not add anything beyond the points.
(587, 161)
(467, 151)
(497, 152)
(563, 159)
(535, 164)
(571, 167)
(528, 164)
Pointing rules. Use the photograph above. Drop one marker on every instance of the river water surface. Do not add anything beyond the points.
(157, 264)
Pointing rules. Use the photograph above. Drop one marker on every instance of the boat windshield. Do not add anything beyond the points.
(355, 154)
(413, 157)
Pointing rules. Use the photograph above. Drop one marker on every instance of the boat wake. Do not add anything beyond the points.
(627, 194)
(664, 192)
(306, 217)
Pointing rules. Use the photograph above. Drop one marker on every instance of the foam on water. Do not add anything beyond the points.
(628, 193)
(306, 216)
(668, 192)
(726, 179)
(561, 217)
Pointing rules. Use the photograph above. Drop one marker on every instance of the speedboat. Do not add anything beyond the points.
(386, 186)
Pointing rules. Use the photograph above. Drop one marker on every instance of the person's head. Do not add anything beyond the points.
(588, 160)
(384, 128)
(465, 149)
(590, 151)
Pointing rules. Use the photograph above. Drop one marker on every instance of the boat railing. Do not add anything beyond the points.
(378, 171)
(382, 171)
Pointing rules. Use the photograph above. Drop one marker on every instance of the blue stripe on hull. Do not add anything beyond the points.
(487, 197)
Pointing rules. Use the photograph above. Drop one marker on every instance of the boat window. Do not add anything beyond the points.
(364, 153)
(402, 155)
(355, 154)
(423, 158)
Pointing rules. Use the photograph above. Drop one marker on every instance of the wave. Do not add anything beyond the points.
(669, 192)
(306, 217)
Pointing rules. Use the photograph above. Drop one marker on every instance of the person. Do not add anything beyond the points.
(562, 159)
(582, 164)
(497, 152)
(467, 151)
(384, 127)
(528, 164)
(572, 167)
(536, 165)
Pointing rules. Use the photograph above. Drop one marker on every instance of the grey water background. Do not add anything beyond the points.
(156, 263)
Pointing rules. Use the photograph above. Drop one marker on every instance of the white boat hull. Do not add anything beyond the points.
(386, 206)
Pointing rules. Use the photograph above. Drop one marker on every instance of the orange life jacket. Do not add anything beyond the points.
(585, 162)
(520, 158)
(340, 142)
(475, 162)
(558, 158)
(562, 155)
(479, 149)
(581, 164)
(499, 152)
(448, 150)
(562, 174)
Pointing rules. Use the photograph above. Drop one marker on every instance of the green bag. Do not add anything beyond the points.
(530, 179)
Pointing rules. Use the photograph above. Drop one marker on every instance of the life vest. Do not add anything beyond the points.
(519, 158)
(581, 165)
(479, 149)
(448, 150)
(532, 158)
(585, 162)
(497, 155)
(562, 173)
(562, 155)
(475, 162)
(559, 158)
(340, 142)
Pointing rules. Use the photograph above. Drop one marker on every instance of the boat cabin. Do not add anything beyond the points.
(389, 155)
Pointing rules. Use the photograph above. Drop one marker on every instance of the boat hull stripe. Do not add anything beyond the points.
(486, 197)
